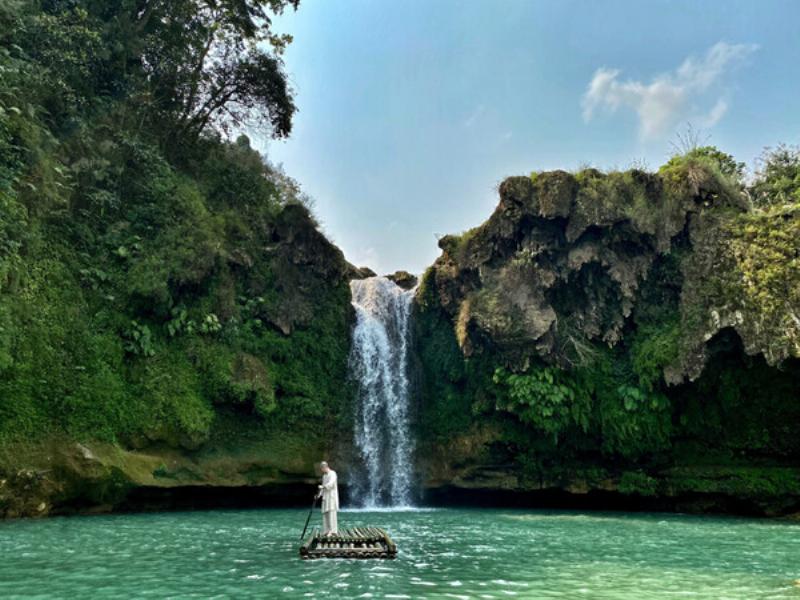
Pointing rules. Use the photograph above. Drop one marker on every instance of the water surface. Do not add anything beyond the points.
(444, 553)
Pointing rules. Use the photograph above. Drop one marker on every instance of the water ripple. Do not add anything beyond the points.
(443, 554)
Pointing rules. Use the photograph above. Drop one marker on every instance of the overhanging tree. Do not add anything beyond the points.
(183, 67)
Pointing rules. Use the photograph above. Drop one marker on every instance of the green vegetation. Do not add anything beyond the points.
(713, 158)
(778, 179)
(148, 290)
(546, 398)
(444, 370)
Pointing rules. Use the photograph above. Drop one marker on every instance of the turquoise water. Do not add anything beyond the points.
(442, 554)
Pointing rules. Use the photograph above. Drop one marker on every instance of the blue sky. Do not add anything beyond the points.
(412, 112)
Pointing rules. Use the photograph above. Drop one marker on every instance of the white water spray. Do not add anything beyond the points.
(379, 366)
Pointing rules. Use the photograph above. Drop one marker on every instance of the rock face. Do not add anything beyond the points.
(561, 261)
(261, 389)
(361, 273)
(615, 340)
(604, 333)
(61, 477)
(302, 259)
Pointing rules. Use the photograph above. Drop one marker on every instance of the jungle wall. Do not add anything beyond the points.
(174, 327)
(196, 338)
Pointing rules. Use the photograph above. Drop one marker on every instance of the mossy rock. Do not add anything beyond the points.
(517, 192)
(555, 192)
(403, 279)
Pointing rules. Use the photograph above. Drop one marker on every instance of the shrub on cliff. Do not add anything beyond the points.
(713, 157)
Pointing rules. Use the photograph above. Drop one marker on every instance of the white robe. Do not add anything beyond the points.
(330, 492)
(330, 524)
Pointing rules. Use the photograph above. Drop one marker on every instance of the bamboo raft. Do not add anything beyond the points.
(359, 542)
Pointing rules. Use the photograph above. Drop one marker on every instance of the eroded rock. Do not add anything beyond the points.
(561, 262)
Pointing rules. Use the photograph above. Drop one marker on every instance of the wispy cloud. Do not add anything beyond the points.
(715, 114)
(671, 97)
(475, 115)
(366, 256)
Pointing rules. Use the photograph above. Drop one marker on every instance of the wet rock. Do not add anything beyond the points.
(404, 279)
(249, 472)
(360, 272)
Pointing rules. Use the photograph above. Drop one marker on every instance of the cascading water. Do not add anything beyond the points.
(380, 367)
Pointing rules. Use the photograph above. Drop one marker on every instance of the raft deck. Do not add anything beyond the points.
(359, 542)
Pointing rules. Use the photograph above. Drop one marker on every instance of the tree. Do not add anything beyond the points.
(184, 67)
(215, 63)
(778, 177)
(728, 165)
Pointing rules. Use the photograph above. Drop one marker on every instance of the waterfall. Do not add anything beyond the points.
(379, 365)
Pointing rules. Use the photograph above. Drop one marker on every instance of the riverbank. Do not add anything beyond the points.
(64, 477)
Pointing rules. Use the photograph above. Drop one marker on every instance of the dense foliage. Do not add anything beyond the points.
(150, 285)
(778, 178)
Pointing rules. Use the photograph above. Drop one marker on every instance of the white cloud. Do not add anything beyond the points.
(671, 97)
(715, 114)
(365, 256)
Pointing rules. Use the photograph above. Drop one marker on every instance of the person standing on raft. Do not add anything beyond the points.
(329, 491)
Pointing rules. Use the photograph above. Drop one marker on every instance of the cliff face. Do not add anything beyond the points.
(189, 346)
(622, 339)
(174, 328)
(624, 333)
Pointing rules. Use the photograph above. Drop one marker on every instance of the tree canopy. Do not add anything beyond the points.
(184, 67)
(778, 178)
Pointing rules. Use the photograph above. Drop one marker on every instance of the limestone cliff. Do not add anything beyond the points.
(617, 332)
